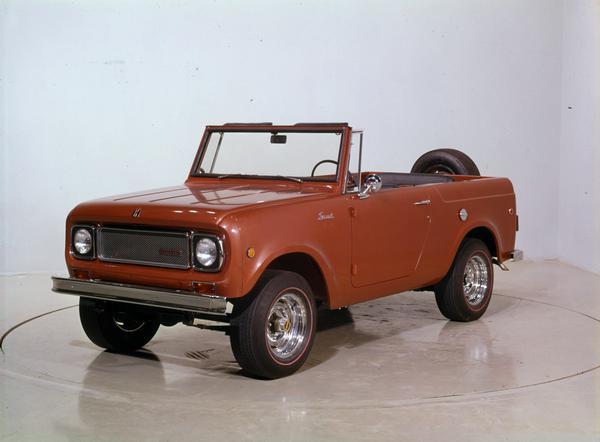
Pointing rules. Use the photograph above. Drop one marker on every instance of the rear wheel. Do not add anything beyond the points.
(272, 331)
(110, 326)
(445, 161)
(465, 293)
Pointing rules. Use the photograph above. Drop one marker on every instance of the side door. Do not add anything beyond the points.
(389, 231)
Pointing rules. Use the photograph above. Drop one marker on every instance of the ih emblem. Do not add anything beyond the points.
(136, 213)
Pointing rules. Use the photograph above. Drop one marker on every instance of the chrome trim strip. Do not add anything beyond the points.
(141, 295)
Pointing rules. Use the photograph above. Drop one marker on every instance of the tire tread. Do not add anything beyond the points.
(96, 320)
(450, 300)
(246, 334)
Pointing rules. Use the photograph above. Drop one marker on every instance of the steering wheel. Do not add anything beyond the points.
(322, 162)
(351, 181)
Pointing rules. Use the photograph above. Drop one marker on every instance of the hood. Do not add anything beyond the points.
(188, 204)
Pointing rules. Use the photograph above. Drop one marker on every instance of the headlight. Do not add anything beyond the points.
(82, 241)
(207, 253)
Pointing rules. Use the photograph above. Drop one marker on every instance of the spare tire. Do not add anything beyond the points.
(447, 161)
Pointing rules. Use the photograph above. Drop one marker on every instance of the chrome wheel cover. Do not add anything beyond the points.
(287, 325)
(475, 280)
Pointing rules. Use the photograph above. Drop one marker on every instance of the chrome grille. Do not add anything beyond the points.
(146, 247)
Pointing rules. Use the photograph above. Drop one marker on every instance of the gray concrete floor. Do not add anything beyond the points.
(390, 369)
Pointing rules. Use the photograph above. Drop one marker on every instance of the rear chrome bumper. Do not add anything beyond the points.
(141, 295)
(516, 255)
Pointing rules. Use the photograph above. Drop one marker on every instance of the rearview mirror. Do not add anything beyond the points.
(278, 139)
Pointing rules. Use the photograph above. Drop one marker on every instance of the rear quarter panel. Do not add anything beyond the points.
(490, 203)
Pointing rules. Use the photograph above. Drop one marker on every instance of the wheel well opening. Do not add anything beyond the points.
(484, 234)
(306, 266)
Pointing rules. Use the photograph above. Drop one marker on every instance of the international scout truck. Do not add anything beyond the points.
(276, 222)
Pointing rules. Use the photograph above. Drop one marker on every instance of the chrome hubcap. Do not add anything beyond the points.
(475, 280)
(287, 325)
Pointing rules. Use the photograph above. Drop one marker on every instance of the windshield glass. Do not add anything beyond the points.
(307, 156)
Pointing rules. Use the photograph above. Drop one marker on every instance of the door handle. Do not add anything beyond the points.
(422, 203)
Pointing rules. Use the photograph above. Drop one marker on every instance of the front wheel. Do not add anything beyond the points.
(465, 292)
(110, 326)
(272, 331)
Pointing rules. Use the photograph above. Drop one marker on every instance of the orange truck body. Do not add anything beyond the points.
(349, 249)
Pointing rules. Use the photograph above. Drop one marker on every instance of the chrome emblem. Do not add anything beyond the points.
(136, 213)
(322, 216)
(170, 252)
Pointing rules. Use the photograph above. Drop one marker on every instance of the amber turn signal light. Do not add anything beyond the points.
(204, 288)
(81, 274)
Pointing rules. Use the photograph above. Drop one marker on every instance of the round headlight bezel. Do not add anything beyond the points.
(212, 242)
(75, 249)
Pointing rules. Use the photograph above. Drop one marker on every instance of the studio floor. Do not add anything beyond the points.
(390, 369)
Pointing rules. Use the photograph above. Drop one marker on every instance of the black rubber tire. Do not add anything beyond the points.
(249, 321)
(449, 293)
(449, 161)
(97, 320)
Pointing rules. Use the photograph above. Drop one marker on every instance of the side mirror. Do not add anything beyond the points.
(373, 183)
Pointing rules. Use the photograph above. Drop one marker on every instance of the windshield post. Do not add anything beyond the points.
(360, 145)
(212, 166)
(350, 137)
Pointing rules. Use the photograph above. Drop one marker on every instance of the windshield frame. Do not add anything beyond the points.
(340, 128)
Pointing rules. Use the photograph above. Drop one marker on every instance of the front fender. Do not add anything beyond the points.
(256, 266)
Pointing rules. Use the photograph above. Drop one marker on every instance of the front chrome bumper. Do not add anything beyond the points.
(141, 295)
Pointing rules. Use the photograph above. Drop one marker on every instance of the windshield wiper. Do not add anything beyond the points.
(291, 178)
(243, 175)
(235, 175)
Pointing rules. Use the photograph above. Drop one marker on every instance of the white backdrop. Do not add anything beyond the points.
(103, 97)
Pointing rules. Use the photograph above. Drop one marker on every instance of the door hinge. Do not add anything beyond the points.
(352, 212)
(354, 269)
